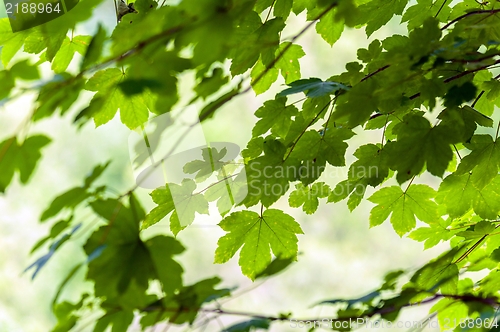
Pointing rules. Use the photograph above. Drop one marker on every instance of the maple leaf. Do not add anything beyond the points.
(181, 200)
(404, 206)
(134, 110)
(421, 144)
(257, 236)
(274, 115)
(459, 195)
(483, 161)
(212, 161)
(307, 197)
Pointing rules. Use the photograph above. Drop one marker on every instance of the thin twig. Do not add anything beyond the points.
(476, 12)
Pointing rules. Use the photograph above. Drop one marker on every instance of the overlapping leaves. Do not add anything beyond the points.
(394, 81)
(257, 235)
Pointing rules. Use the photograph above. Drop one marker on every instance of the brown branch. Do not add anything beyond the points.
(282, 53)
(482, 93)
(375, 72)
(460, 75)
(304, 131)
(490, 301)
(476, 12)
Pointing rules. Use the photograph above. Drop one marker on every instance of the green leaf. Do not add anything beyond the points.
(227, 192)
(132, 87)
(450, 313)
(261, 5)
(162, 248)
(483, 161)
(282, 8)
(372, 165)
(74, 196)
(244, 54)
(7, 83)
(211, 84)
(421, 144)
(439, 274)
(193, 297)
(457, 95)
(433, 235)
(163, 198)
(249, 325)
(95, 48)
(187, 203)
(288, 64)
(377, 13)
(25, 71)
(181, 200)
(67, 51)
(125, 266)
(330, 28)
(11, 42)
(28, 154)
(459, 195)
(263, 77)
(56, 229)
(404, 206)
(70, 199)
(134, 110)
(60, 93)
(20, 157)
(315, 149)
(307, 197)
(212, 162)
(366, 299)
(64, 313)
(118, 320)
(312, 87)
(276, 266)
(275, 116)
(465, 119)
(268, 176)
(257, 235)
(417, 14)
(356, 106)
(354, 189)
(371, 169)
(43, 37)
(108, 96)
(373, 51)
(481, 229)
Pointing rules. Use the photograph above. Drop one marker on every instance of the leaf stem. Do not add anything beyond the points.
(458, 153)
(304, 131)
(289, 45)
(440, 8)
(383, 131)
(269, 12)
(409, 184)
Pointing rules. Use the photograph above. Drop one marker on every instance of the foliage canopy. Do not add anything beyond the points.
(431, 94)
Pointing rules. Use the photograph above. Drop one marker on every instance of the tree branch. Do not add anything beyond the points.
(489, 301)
(476, 12)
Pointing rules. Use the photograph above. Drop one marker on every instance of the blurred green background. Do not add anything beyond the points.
(340, 256)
